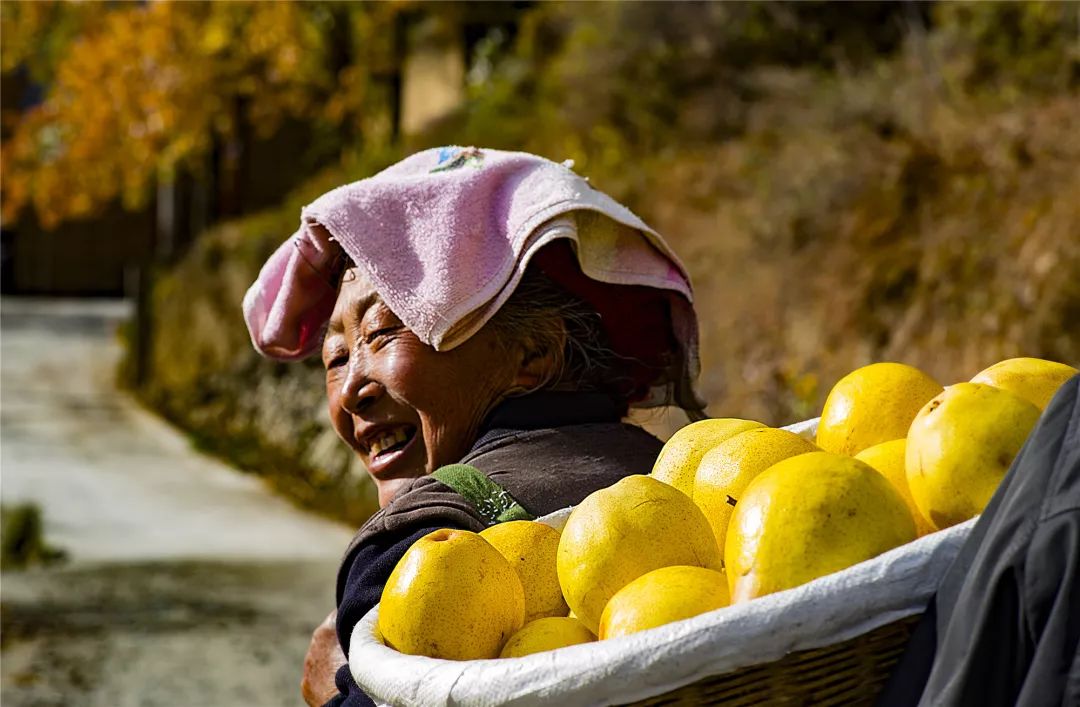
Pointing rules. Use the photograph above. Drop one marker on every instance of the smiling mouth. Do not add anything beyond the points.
(391, 441)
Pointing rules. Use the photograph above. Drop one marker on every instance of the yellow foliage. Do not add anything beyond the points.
(146, 89)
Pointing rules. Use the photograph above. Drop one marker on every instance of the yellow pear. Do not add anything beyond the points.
(809, 516)
(871, 405)
(726, 470)
(531, 548)
(452, 595)
(621, 532)
(678, 460)
(661, 597)
(1033, 379)
(959, 447)
(546, 634)
(888, 459)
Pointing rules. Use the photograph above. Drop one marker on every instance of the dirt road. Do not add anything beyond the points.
(187, 583)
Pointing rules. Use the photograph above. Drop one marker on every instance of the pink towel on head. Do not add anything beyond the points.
(288, 306)
(445, 236)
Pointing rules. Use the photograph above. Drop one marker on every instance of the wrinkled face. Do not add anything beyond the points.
(404, 407)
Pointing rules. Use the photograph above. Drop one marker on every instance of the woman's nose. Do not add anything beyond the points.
(358, 391)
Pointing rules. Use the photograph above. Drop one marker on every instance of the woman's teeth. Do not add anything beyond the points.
(388, 440)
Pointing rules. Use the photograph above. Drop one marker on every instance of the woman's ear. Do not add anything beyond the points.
(541, 356)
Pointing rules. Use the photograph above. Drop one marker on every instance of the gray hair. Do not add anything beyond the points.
(544, 319)
(541, 318)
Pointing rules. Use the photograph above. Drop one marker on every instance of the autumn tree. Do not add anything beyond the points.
(137, 92)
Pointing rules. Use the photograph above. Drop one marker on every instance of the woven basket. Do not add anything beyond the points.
(849, 673)
(832, 641)
(843, 634)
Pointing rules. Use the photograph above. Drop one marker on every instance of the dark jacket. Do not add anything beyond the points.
(548, 450)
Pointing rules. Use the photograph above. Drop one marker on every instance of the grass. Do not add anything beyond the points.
(22, 539)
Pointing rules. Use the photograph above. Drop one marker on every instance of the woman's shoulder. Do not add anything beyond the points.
(425, 502)
(599, 441)
(543, 470)
(549, 469)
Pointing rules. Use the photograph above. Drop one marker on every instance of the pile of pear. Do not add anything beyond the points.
(945, 450)
(732, 510)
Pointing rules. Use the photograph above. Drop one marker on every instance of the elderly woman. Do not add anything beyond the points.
(481, 307)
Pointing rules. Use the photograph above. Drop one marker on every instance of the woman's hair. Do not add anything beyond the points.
(544, 320)
(547, 321)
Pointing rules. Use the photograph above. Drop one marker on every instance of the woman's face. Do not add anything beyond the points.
(404, 407)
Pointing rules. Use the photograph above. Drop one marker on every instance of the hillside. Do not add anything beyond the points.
(920, 204)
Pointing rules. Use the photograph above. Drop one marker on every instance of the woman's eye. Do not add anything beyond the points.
(337, 361)
(380, 333)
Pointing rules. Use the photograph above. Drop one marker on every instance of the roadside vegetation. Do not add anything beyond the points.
(22, 538)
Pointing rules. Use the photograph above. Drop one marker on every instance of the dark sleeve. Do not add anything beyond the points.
(360, 585)
(1004, 625)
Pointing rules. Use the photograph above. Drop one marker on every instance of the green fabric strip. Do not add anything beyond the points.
(493, 502)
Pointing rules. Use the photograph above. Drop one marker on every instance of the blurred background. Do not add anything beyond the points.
(846, 182)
